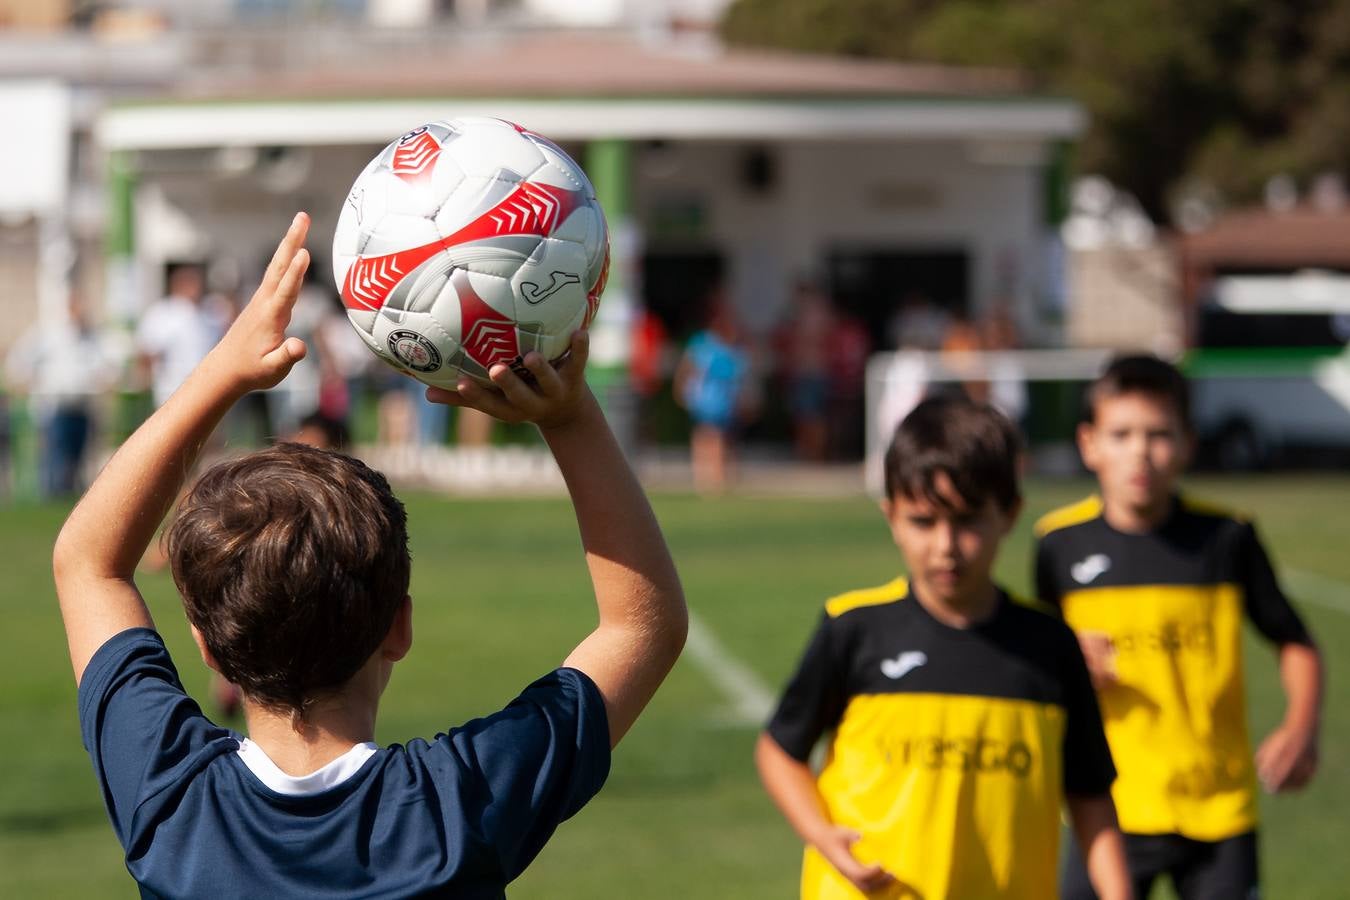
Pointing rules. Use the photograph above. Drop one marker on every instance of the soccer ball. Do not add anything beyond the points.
(468, 243)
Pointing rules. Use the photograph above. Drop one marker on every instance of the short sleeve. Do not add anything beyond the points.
(1265, 604)
(141, 730)
(150, 331)
(1047, 586)
(541, 759)
(1088, 768)
(814, 699)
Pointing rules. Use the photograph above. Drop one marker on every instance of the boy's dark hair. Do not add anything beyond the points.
(1140, 374)
(292, 563)
(973, 444)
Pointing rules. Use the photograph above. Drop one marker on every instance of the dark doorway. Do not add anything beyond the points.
(871, 283)
(676, 285)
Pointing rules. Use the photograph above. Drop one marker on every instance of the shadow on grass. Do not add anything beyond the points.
(46, 821)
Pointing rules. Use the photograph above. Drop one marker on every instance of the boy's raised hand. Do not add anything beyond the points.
(255, 353)
(556, 397)
(94, 560)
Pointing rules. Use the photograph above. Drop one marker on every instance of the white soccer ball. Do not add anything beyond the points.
(468, 243)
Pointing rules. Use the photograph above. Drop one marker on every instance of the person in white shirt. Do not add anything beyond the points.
(63, 367)
(175, 333)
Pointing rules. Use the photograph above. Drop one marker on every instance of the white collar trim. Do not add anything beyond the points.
(329, 776)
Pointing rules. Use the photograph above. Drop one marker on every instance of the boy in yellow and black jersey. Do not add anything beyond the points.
(962, 720)
(1157, 587)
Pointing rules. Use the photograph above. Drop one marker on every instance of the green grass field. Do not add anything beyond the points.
(501, 596)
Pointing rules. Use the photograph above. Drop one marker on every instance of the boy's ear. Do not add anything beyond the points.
(1087, 448)
(398, 641)
(201, 648)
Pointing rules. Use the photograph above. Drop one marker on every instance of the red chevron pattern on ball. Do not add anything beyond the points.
(465, 242)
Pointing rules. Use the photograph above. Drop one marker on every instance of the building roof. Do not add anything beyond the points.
(1258, 238)
(578, 64)
(575, 86)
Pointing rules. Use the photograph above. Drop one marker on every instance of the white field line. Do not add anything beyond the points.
(1319, 590)
(749, 700)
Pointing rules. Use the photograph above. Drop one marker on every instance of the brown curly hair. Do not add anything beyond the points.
(292, 563)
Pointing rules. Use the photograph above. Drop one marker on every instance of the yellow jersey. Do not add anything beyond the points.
(951, 748)
(1172, 601)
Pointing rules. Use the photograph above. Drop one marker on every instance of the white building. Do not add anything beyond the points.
(754, 167)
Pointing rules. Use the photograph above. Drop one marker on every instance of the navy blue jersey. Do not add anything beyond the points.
(460, 815)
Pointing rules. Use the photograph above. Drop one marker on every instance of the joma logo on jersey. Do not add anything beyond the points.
(978, 754)
(903, 664)
(1089, 569)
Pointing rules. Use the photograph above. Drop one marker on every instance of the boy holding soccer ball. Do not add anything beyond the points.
(962, 718)
(1156, 587)
(294, 569)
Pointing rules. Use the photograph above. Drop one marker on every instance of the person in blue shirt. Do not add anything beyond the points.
(294, 571)
(711, 383)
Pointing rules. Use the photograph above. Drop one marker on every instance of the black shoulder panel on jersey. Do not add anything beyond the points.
(901, 648)
(1195, 546)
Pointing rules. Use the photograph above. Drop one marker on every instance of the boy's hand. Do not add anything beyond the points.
(1100, 654)
(836, 845)
(1287, 758)
(557, 396)
(255, 353)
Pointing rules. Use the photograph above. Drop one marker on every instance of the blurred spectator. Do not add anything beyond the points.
(992, 377)
(173, 335)
(473, 428)
(63, 367)
(323, 431)
(998, 330)
(918, 324)
(1008, 387)
(395, 417)
(298, 395)
(803, 349)
(961, 346)
(647, 367)
(176, 332)
(249, 422)
(846, 349)
(650, 369)
(711, 383)
(344, 362)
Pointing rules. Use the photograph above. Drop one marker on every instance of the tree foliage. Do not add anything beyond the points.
(1215, 93)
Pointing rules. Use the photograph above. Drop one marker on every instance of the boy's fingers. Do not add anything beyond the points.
(874, 876)
(484, 400)
(281, 260)
(580, 348)
(545, 376)
(289, 288)
(441, 395)
(291, 351)
(516, 390)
